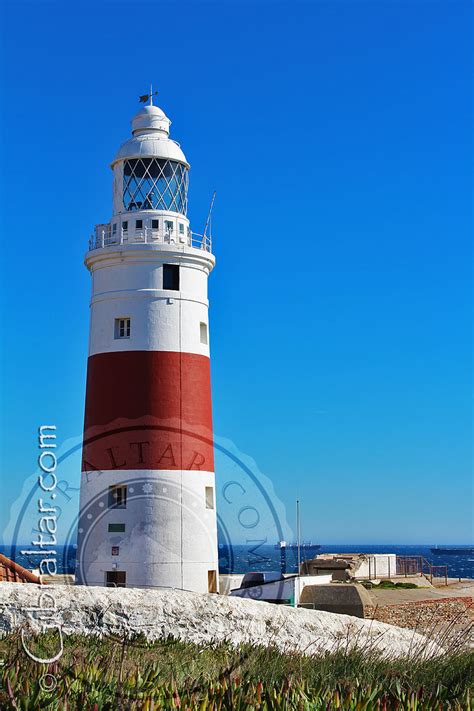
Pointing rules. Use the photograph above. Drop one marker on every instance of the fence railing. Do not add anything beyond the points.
(105, 238)
(418, 565)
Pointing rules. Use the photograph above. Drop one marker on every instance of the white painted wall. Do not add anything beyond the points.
(128, 282)
(288, 589)
(170, 536)
(229, 581)
(378, 565)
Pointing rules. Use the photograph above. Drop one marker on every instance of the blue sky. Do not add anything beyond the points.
(338, 138)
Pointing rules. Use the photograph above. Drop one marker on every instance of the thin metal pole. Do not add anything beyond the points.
(298, 533)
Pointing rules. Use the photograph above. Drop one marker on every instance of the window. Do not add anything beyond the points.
(138, 224)
(211, 581)
(155, 224)
(125, 226)
(181, 228)
(171, 277)
(122, 328)
(115, 550)
(209, 497)
(155, 184)
(114, 228)
(115, 579)
(169, 225)
(116, 528)
(118, 497)
(203, 332)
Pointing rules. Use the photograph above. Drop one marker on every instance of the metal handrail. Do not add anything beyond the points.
(418, 565)
(147, 235)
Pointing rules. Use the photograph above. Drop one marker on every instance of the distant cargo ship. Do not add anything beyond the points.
(438, 550)
(304, 545)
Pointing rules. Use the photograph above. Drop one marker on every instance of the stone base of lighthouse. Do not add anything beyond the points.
(149, 529)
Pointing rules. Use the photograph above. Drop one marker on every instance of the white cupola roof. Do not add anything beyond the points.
(151, 118)
(150, 129)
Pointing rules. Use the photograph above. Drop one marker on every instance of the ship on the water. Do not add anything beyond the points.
(304, 545)
(451, 550)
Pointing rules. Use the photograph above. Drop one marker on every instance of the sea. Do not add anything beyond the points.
(244, 558)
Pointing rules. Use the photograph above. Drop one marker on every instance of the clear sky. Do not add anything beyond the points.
(338, 138)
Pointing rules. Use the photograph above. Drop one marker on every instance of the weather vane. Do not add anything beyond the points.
(143, 99)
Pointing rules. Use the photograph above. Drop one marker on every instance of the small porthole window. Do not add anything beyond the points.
(122, 328)
(203, 333)
(209, 497)
(155, 224)
(138, 224)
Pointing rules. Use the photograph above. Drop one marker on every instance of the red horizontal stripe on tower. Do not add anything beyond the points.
(148, 410)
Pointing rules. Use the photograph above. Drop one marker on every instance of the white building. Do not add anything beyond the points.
(148, 493)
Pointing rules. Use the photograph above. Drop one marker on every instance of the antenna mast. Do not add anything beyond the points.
(298, 532)
(208, 221)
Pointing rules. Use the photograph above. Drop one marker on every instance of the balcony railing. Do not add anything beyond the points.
(105, 237)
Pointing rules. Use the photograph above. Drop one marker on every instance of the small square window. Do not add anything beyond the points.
(116, 528)
(155, 224)
(181, 228)
(203, 332)
(209, 497)
(138, 224)
(122, 328)
(118, 497)
(125, 226)
(171, 277)
(115, 550)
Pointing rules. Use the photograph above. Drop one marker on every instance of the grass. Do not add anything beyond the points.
(390, 585)
(95, 674)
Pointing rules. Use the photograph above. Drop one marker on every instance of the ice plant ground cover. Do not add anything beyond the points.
(113, 673)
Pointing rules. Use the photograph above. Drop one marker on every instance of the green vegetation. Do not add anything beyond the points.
(114, 674)
(388, 585)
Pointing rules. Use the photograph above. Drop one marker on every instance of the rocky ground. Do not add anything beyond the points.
(446, 612)
(197, 618)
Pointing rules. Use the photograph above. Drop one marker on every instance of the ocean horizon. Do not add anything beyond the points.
(241, 558)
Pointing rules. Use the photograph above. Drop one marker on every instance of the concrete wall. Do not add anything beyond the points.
(378, 565)
(289, 589)
(340, 598)
(228, 582)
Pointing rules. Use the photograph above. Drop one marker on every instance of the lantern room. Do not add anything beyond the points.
(150, 188)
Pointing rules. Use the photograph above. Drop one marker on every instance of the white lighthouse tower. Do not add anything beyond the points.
(147, 516)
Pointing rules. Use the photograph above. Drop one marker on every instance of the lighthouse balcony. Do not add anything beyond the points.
(105, 236)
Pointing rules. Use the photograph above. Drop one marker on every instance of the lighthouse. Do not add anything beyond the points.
(148, 505)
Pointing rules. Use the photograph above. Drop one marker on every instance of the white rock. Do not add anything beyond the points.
(198, 618)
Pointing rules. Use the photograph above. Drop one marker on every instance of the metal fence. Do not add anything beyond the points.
(418, 565)
(106, 238)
